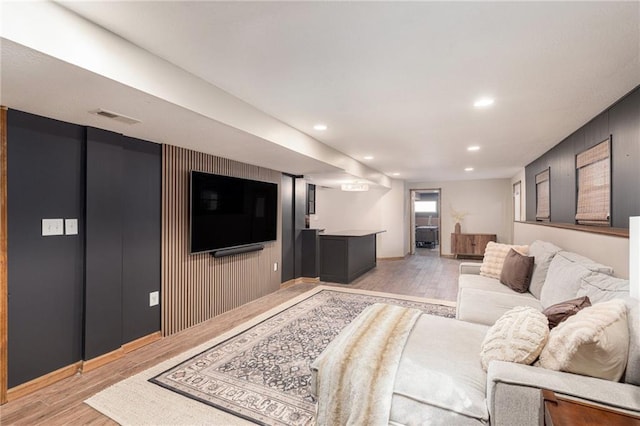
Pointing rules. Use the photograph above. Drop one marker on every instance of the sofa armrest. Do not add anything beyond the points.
(513, 392)
(470, 268)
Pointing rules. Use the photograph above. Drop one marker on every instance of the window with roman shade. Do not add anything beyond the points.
(593, 168)
(542, 196)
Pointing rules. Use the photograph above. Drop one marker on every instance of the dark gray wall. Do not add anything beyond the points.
(122, 240)
(288, 235)
(141, 231)
(294, 208)
(74, 297)
(45, 180)
(300, 209)
(103, 279)
(622, 122)
(624, 118)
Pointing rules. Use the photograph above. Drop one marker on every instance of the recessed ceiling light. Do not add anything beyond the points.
(483, 102)
(468, 169)
(320, 127)
(395, 174)
(473, 148)
(368, 157)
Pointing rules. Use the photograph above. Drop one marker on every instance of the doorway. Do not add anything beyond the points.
(425, 235)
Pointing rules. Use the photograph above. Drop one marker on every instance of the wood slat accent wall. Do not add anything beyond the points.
(197, 287)
(4, 284)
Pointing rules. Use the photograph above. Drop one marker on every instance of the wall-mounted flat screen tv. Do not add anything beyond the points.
(228, 212)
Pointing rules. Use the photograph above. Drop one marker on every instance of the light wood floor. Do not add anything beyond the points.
(423, 275)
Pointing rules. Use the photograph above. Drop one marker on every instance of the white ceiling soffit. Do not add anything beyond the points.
(336, 179)
(40, 84)
(397, 80)
(85, 67)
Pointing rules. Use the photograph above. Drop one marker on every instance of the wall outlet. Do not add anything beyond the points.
(71, 226)
(154, 298)
(52, 227)
(275, 266)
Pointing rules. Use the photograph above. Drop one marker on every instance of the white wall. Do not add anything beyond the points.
(488, 204)
(376, 209)
(606, 249)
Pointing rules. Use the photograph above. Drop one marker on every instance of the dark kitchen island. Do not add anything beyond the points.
(345, 255)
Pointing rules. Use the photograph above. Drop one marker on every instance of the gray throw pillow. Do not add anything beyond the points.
(565, 276)
(543, 252)
(602, 287)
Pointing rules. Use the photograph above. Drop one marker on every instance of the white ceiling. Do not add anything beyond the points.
(397, 80)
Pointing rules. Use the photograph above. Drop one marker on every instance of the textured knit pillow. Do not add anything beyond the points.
(563, 310)
(594, 342)
(516, 271)
(494, 255)
(518, 336)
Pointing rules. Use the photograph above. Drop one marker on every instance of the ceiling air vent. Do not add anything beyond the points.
(115, 116)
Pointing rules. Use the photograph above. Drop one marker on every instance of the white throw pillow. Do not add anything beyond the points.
(594, 342)
(494, 255)
(517, 336)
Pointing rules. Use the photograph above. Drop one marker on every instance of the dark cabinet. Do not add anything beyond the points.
(310, 253)
(344, 256)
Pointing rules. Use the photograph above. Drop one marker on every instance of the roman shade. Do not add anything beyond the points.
(543, 211)
(593, 167)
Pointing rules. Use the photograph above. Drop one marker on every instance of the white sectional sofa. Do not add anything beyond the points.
(512, 390)
(440, 381)
(557, 276)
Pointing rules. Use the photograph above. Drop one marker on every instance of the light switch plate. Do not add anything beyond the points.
(52, 227)
(275, 266)
(154, 298)
(71, 226)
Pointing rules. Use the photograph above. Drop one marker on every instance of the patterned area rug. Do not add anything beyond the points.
(262, 373)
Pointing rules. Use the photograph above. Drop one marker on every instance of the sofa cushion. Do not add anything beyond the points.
(483, 300)
(602, 287)
(632, 373)
(443, 353)
(516, 271)
(543, 252)
(494, 255)
(594, 342)
(406, 411)
(563, 310)
(587, 263)
(565, 275)
(517, 336)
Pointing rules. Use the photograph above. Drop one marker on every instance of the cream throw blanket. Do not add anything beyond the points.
(355, 374)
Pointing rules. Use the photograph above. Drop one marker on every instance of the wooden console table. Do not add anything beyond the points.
(559, 411)
(470, 245)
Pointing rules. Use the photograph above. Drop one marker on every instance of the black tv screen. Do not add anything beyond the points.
(231, 212)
